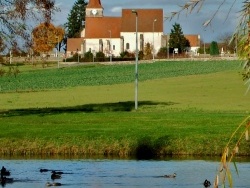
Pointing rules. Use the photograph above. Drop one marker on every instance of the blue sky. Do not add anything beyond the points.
(224, 22)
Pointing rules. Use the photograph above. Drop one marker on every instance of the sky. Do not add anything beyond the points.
(224, 22)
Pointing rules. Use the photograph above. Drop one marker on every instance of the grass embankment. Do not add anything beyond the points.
(184, 108)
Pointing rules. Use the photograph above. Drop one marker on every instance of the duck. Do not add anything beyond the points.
(170, 176)
(57, 172)
(4, 172)
(206, 183)
(44, 170)
(55, 176)
(48, 184)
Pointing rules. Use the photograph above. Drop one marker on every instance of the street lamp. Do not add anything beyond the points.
(77, 55)
(57, 52)
(154, 39)
(136, 59)
(110, 46)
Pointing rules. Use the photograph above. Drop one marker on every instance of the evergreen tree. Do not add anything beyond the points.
(177, 38)
(214, 49)
(76, 19)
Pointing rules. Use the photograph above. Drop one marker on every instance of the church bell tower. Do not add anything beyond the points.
(94, 9)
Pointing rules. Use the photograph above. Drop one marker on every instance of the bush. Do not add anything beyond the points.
(127, 54)
(214, 49)
(148, 51)
(141, 55)
(88, 57)
(2, 72)
(163, 52)
(100, 56)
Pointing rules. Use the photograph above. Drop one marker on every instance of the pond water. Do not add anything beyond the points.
(111, 173)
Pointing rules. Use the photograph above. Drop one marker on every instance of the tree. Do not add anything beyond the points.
(76, 18)
(241, 35)
(147, 54)
(214, 49)
(1, 44)
(226, 40)
(46, 37)
(177, 38)
(14, 15)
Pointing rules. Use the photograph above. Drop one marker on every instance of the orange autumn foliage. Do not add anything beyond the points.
(46, 36)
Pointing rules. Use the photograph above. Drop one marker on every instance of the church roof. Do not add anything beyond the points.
(73, 44)
(94, 4)
(146, 18)
(99, 27)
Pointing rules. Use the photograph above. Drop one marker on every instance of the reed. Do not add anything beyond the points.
(231, 149)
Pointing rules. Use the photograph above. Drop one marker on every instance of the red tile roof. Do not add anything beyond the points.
(94, 4)
(73, 44)
(146, 18)
(193, 40)
(99, 27)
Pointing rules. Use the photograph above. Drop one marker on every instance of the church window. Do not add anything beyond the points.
(127, 46)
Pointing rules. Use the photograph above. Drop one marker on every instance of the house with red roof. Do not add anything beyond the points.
(114, 35)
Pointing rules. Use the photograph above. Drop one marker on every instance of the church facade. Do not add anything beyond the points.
(114, 35)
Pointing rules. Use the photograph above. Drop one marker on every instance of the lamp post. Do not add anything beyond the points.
(154, 39)
(77, 55)
(110, 46)
(57, 52)
(136, 58)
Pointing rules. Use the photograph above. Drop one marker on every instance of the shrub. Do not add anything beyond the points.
(214, 49)
(141, 55)
(163, 52)
(88, 57)
(2, 72)
(100, 56)
(148, 51)
(127, 54)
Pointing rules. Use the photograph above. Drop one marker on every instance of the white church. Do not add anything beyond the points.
(113, 35)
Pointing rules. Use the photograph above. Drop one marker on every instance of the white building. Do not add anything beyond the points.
(118, 34)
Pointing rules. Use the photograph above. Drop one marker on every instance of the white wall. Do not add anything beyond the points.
(148, 38)
(130, 38)
(93, 44)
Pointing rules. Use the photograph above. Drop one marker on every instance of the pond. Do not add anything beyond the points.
(111, 173)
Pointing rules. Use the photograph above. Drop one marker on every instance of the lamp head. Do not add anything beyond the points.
(134, 11)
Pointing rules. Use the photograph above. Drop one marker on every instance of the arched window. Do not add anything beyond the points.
(127, 46)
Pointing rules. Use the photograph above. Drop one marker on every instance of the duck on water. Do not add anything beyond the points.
(48, 184)
(170, 176)
(3, 179)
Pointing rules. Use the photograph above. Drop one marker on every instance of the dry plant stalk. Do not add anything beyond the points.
(224, 169)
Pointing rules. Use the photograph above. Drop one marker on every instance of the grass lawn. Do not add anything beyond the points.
(184, 108)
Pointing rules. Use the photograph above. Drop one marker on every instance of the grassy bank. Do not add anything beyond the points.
(184, 108)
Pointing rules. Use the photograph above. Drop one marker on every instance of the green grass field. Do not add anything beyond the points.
(184, 108)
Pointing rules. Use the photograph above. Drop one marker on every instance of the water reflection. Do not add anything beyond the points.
(95, 173)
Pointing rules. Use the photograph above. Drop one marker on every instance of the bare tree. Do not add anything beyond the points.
(226, 41)
(15, 16)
